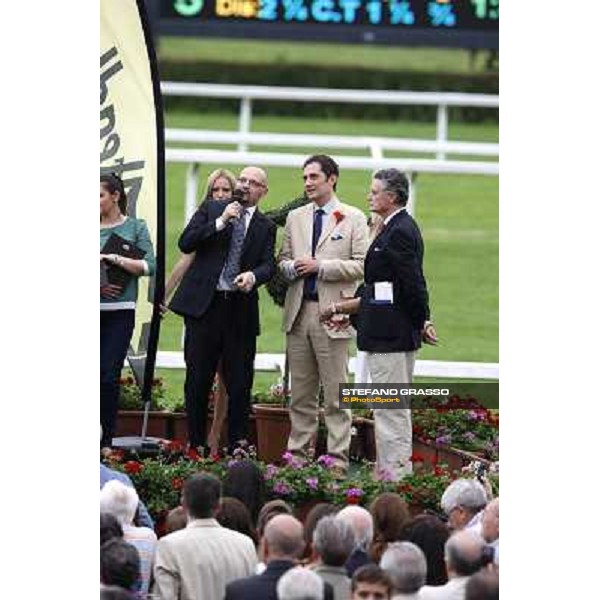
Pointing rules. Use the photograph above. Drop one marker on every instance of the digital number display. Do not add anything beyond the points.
(458, 23)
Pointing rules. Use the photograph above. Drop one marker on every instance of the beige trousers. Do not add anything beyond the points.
(314, 357)
(393, 427)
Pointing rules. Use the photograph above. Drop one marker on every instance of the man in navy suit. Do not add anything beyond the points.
(218, 298)
(281, 546)
(393, 313)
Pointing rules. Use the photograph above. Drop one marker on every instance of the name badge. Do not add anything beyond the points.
(384, 292)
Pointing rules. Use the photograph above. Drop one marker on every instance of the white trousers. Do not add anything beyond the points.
(393, 426)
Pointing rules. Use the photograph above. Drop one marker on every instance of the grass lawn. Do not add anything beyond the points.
(458, 216)
(300, 53)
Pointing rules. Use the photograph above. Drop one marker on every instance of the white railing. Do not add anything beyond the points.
(275, 363)
(411, 166)
(247, 93)
(376, 145)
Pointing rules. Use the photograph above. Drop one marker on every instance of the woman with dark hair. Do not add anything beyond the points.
(430, 534)
(233, 514)
(245, 482)
(117, 303)
(390, 514)
(219, 186)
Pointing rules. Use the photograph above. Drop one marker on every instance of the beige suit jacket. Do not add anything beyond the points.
(199, 561)
(341, 251)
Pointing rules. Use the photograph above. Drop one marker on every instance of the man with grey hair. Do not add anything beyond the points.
(393, 314)
(361, 522)
(300, 583)
(463, 502)
(282, 545)
(407, 566)
(464, 556)
(333, 542)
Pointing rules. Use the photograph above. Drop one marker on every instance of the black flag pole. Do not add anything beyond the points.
(142, 360)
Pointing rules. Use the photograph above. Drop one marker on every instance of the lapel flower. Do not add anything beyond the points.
(339, 217)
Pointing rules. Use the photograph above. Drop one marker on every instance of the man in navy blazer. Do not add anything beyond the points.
(218, 298)
(282, 544)
(393, 313)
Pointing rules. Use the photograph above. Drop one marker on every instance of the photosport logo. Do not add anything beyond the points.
(414, 395)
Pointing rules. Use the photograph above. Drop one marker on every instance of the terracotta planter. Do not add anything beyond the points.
(272, 431)
(453, 457)
(129, 422)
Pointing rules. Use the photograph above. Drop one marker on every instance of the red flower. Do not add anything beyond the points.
(133, 467)
(177, 483)
(416, 458)
(339, 217)
(352, 500)
(176, 446)
(192, 454)
(438, 471)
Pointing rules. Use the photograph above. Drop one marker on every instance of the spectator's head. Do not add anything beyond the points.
(405, 563)
(119, 564)
(233, 514)
(316, 513)
(119, 500)
(320, 174)
(361, 522)
(201, 495)
(464, 554)
(333, 541)
(490, 522)
(219, 185)
(484, 585)
(390, 514)
(461, 501)
(245, 482)
(268, 511)
(393, 184)
(283, 538)
(109, 527)
(371, 582)
(176, 520)
(430, 534)
(300, 584)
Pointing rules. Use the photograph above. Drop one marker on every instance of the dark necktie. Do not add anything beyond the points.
(232, 265)
(310, 283)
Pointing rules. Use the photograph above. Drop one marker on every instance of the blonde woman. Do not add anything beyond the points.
(219, 186)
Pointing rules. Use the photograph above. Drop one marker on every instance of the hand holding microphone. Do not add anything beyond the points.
(233, 210)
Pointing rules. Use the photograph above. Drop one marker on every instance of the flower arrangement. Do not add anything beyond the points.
(277, 395)
(159, 479)
(461, 423)
(130, 394)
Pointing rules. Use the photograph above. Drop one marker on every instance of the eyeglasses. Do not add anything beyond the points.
(250, 182)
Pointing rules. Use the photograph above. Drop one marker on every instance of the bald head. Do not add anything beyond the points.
(464, 553)
(283, 538)
(253, 183)
(490, 521)
(361, 522)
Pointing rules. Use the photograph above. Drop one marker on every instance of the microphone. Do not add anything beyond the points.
(237, 196)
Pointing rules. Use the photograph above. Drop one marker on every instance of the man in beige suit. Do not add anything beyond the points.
(322, 257)
(200, 560)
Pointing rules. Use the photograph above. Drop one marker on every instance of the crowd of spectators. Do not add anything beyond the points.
(225, 543)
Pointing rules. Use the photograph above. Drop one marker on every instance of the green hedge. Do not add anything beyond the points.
(315, 76)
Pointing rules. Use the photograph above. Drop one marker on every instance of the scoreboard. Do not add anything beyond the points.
(445, 23)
